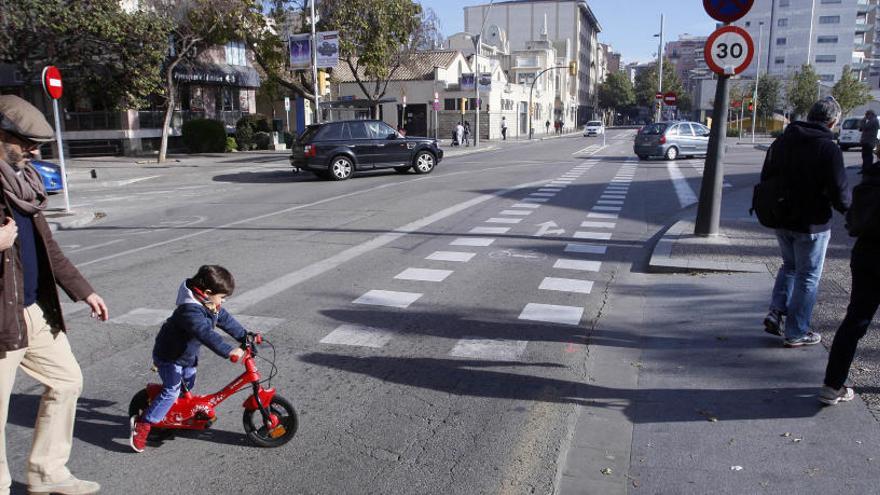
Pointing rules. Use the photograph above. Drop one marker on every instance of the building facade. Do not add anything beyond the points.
(686, 55)
(568, 22)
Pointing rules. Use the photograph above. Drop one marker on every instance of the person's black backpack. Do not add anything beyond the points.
(863, 217)
(773, 200)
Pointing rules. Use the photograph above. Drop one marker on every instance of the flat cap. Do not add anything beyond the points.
(20, 117)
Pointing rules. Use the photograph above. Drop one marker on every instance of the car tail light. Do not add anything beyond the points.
(310, 151)
(662, 139)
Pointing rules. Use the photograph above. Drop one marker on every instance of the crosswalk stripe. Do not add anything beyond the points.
(602, 215)
(457, 256)
(504, 220)
(359, 335)
(524, 205)
(580, 265)
(472, 241)
(423, 274)
(388, 298)
(551, 313)
(598, 225)
(489, 350)
(489, 230)
(521, 213)
(566, 285)
(585, 248)
(607, 208)
(596, 236)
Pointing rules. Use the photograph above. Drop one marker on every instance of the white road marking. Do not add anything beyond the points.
(521, 213)
(524, 205)
(542, 194)
(609, 202)
(602, 215)
(551, 313)
(585, 248)
(596, 236)
(489, 230)
(504, 220)
(535, 200)
(359, 335)
(613, 196)
(489, 350)
(143, 317)
(388, 298)
(581, 265)
(566, 285)
(683, 190)
(599, 225)
(550, 189)
(95, 246)
(607, 208)
(423, 275)
(472, 241)
(457, 256)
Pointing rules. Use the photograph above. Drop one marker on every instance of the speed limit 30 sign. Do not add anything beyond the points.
(729, 51)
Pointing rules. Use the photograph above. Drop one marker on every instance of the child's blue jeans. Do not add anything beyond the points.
(172, 375)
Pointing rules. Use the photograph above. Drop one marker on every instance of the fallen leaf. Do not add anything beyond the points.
(636, 483)
(786, 434)
(796, 440)
(606, 471)
(736, 468)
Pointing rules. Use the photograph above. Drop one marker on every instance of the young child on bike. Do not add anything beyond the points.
(176, 351)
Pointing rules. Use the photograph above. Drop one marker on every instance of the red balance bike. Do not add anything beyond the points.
(269, 420)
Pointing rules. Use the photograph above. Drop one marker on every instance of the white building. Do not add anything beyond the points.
(569, 23)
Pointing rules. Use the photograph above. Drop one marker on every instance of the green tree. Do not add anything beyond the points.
(616, 92)
(646, 86)
(769, 88)
(194, 26)
(802, 90)
(108, 55)
(850, 92)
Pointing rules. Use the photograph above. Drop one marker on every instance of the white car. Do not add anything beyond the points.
(850, 135)
(594, 128)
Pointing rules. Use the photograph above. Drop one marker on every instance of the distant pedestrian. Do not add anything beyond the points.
(865, 295)
(869, 127)
(467, 133)
(547, 126)
(33, 335)
(459, 134)
(809, 165)
(503, 129)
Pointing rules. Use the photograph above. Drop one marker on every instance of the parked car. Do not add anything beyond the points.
(850, 135)
(51, 174)
(335, 150)
(594, 128)
(671, 140)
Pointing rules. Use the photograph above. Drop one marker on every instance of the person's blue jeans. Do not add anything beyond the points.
(797, 283)
(172, 376)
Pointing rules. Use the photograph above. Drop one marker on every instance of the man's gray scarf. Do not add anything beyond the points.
(23, 187)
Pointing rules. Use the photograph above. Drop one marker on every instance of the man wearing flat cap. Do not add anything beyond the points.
(32, 330)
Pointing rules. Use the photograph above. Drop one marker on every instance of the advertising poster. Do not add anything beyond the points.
(466, 82)
(300, 52)
(328, 49)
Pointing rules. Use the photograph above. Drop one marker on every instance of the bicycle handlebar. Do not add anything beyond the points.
(251, 339)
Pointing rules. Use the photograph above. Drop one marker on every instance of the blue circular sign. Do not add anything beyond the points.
(727, 10)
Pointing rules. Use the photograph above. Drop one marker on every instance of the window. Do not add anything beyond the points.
(826, 59)
(379, 130)
(700, 129)
(235, 53)
(781, 41)
(826, 39)
(685, 130)
(782, 22)
(827, 77)
(230, 99)
(779, 60)
(824, 2)
(829, 19)
(450, 104)
(332, 131)
(674, 131)
(358, 130)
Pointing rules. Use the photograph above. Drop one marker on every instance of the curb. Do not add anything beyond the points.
(662, 260)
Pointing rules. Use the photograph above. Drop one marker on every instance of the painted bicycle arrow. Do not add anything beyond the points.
(548, 228)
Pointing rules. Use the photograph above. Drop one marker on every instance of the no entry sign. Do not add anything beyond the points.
(729, 51)
(727, 10)
(670, 98)
(52, 82)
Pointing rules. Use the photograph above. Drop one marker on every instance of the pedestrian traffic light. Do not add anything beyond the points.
(751, 105)
(572, 68)
(322, 82)
(463, 105)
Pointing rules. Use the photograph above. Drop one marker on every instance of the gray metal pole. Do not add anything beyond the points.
(477, 90)
(315, 66)
(757, 79)
(709, 209)
(660, 71)
(61, 156)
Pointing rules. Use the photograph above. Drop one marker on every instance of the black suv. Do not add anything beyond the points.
(334, 150)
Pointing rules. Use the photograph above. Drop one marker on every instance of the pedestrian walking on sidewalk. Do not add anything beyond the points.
(32, 330)
(467, 133)
(459, 134)
(865, 295)
(810, 166)
(869, 127)
(547, 126)
(503, 129)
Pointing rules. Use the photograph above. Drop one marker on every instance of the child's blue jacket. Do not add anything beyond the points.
(191, 325)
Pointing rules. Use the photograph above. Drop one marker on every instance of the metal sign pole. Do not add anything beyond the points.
(315, 66)
(709, 210)
(61, 156)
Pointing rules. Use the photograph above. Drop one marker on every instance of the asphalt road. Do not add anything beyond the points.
(429, 329)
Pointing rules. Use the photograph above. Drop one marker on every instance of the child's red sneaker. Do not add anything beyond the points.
(140, 430)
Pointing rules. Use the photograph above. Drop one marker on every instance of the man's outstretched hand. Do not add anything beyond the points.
(99, 308)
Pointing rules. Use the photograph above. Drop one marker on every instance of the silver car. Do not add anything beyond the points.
(671, 140)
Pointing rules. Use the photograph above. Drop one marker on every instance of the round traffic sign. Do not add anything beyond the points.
(670, 98)
(52, 82)
(658, 96)
(729, 51)
(727, 10)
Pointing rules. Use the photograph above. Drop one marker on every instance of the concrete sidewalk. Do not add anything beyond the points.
(687, 393)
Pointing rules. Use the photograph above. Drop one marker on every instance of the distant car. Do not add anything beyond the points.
(671, 140)
(335, 150)
(327, 49)
(850, 135)
(594, 128)
(51, 174)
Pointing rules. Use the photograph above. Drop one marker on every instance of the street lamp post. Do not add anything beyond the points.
(660, 70)
(476, 40)
(757, 78)
(315, 65)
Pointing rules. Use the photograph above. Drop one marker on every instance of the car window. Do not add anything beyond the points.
(686, 130)
(654, 129)
(594, 124)
(700, 129)
(358, 130)
(309, 133)
(673, 131)
(331, 131)
(379, 130)
(851, 124)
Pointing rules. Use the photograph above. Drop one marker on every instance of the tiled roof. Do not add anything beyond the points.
(419, 66)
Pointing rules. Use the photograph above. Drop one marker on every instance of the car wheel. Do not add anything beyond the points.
(671, 153)
(341, 168)
(402, 170)
(423, 163)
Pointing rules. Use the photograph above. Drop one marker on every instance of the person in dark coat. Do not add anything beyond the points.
(869, 127)
(811, 167)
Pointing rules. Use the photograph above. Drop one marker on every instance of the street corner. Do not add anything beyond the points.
(61, 220)
(679, 250)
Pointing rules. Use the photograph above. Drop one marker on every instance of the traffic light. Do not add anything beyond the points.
(572, 68)
(322, 82)
(751, 105)
(463, 105)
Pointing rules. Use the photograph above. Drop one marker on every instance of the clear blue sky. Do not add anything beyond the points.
(627, 25)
